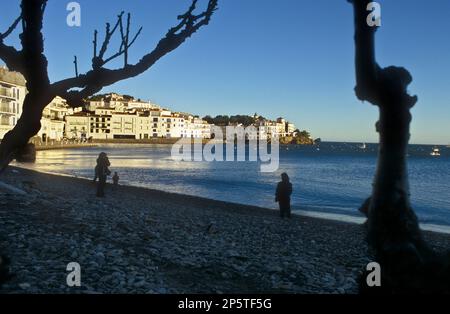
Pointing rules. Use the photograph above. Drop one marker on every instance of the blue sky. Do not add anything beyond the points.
(291, 58)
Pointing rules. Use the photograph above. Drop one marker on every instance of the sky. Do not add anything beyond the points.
(289, 58)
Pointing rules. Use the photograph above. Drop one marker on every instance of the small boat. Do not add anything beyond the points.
(363, 146)
(436, 152)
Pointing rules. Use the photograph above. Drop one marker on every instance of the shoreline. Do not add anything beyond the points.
(353, 219)
(63, 146)
(139, 240)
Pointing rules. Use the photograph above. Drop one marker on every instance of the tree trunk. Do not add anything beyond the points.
(27, 126)
(407, 263)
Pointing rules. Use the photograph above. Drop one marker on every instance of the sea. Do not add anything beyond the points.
(330, 180)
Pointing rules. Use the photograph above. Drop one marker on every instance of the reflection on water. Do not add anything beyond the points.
(335, 179)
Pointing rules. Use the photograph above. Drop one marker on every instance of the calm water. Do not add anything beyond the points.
(334, 179)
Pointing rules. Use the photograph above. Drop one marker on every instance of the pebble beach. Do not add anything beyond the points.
(138, 240)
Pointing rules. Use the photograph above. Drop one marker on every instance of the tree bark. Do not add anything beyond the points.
(27, 126)
(393, 229)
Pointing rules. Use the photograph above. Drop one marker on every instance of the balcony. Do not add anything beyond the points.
(6, 109)
(5, 122)
(5, 92)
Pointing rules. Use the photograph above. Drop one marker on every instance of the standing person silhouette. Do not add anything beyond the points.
(115, 180)
(102, 172)
(283, 196)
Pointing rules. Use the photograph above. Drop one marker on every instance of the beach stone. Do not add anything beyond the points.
(24, 286)
(140, 284)
(275, 269)
(162, 290)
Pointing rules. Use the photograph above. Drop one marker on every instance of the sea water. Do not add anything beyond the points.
(329, 180)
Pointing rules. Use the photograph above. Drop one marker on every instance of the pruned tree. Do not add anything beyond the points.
(407, 263)
(32, 63)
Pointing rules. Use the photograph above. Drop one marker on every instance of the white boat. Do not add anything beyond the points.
(363, 146)
(436, 152)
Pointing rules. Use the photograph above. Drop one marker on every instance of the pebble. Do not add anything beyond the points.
(125, 245)
(24, 286)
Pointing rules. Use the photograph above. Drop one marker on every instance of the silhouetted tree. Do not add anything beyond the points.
(302, 137)
(32, 63)
(407, 263)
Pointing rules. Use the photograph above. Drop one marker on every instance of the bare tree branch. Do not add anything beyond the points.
(12, 58)
(94, 42)
(125, 41)
(94, 80)
(99, 61)
(10, 55)
(108, 36)
(122, 50)
(11, 28)
(75, 62)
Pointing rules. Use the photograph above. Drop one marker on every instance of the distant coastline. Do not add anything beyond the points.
(159, 141)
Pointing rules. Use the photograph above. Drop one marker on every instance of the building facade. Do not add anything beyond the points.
(53, 120)
(12, 95)
(106, 123)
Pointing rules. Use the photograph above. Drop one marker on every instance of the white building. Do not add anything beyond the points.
(141, 105)
(167, 124)
(280, 128)
(197, 128)
(119, 103)
(105, 123)
(291, 129)
(77, 125)
(12, 95)
(53, 120)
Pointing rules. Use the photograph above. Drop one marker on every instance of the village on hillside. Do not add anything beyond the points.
(112, 116)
